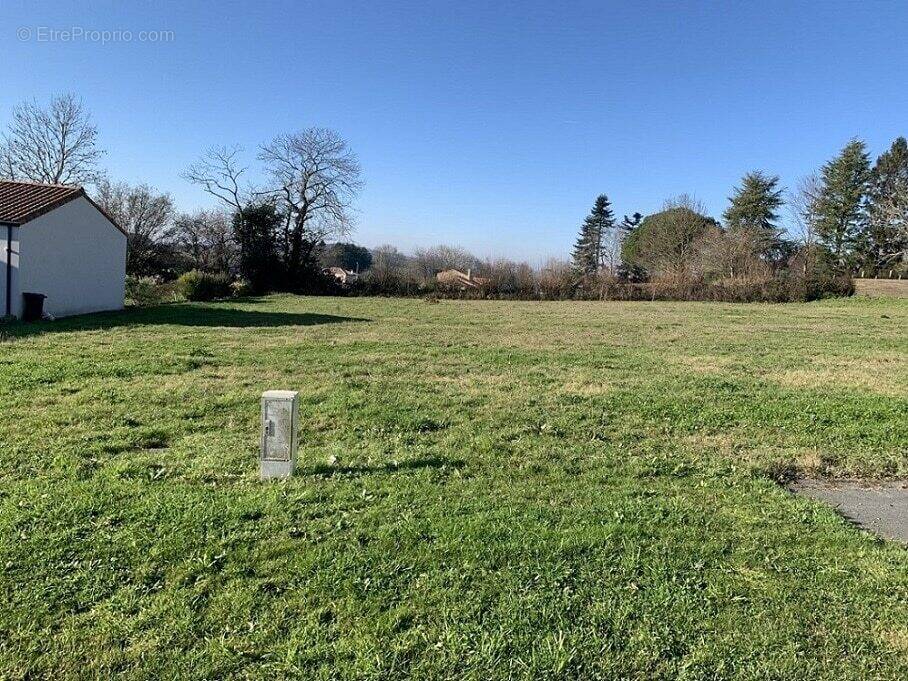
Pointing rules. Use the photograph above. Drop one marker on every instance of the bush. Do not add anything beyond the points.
(242, 288)
(508, 279)
(557, 280)
(144, 291)
(390, 282)
(200, 286)
(819, 287)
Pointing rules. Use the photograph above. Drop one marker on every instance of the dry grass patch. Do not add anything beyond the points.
(875, 288)
(897, 639)
(886, 373)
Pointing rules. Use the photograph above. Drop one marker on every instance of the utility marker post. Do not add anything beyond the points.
(280, 418)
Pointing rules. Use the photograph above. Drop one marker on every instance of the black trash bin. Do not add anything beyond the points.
(32, 306)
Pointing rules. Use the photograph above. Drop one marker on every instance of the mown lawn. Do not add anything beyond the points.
(521, 490)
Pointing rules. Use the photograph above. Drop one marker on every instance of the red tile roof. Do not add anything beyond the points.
(24, 201)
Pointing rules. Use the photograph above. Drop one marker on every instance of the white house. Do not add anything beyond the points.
(54, 240)
(343, 276)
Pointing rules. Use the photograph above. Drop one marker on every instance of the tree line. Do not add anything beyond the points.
(271, 232)
(852, 217)
(278, 231)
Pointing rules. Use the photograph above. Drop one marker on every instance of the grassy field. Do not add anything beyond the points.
(888, 288)
(521, 490)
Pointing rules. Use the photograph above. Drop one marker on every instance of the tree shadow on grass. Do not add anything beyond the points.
(411, 465)
(179, 314)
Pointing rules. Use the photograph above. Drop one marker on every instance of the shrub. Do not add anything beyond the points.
(504, 278)
(198, 286)
(242, 288)
(560, 282)
(390, 282)
(633, 274)
(754, 289)
(826, 286)
(144, 291)
(557, 280)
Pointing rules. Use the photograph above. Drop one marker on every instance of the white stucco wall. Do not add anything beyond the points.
(75, 257)
(15, 296)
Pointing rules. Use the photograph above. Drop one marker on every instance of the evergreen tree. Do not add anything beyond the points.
(629, 224)
(883, 237)
(346, 255)
(753, 212)
(254, 231)
(627, 271)
(589, 248)
(839, 208)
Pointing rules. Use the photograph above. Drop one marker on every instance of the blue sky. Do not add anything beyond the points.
(488, 125)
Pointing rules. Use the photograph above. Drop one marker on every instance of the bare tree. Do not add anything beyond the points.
(557, 278)
(429, 261)
(802, 204)
(611, 250)
(145, 214)
(389, 266)
(315, 177)
(509, 278)
(891, 216)
(734, 252)
(219, 172)
(57, 145)
(205, 238)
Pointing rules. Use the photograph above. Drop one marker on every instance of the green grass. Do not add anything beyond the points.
(522, 490)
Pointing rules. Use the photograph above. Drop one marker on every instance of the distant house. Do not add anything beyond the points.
(57, 242)
(343, 276)
(457, 279)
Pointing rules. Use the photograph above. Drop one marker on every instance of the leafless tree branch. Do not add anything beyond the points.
(890, 215)
(143, 213)
(219, 172)
(315, 177)
(56, 145)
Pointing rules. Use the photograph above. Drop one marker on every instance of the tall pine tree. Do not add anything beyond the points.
(839, 208)
(882, 241)
(753, 212)
(589, 248)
